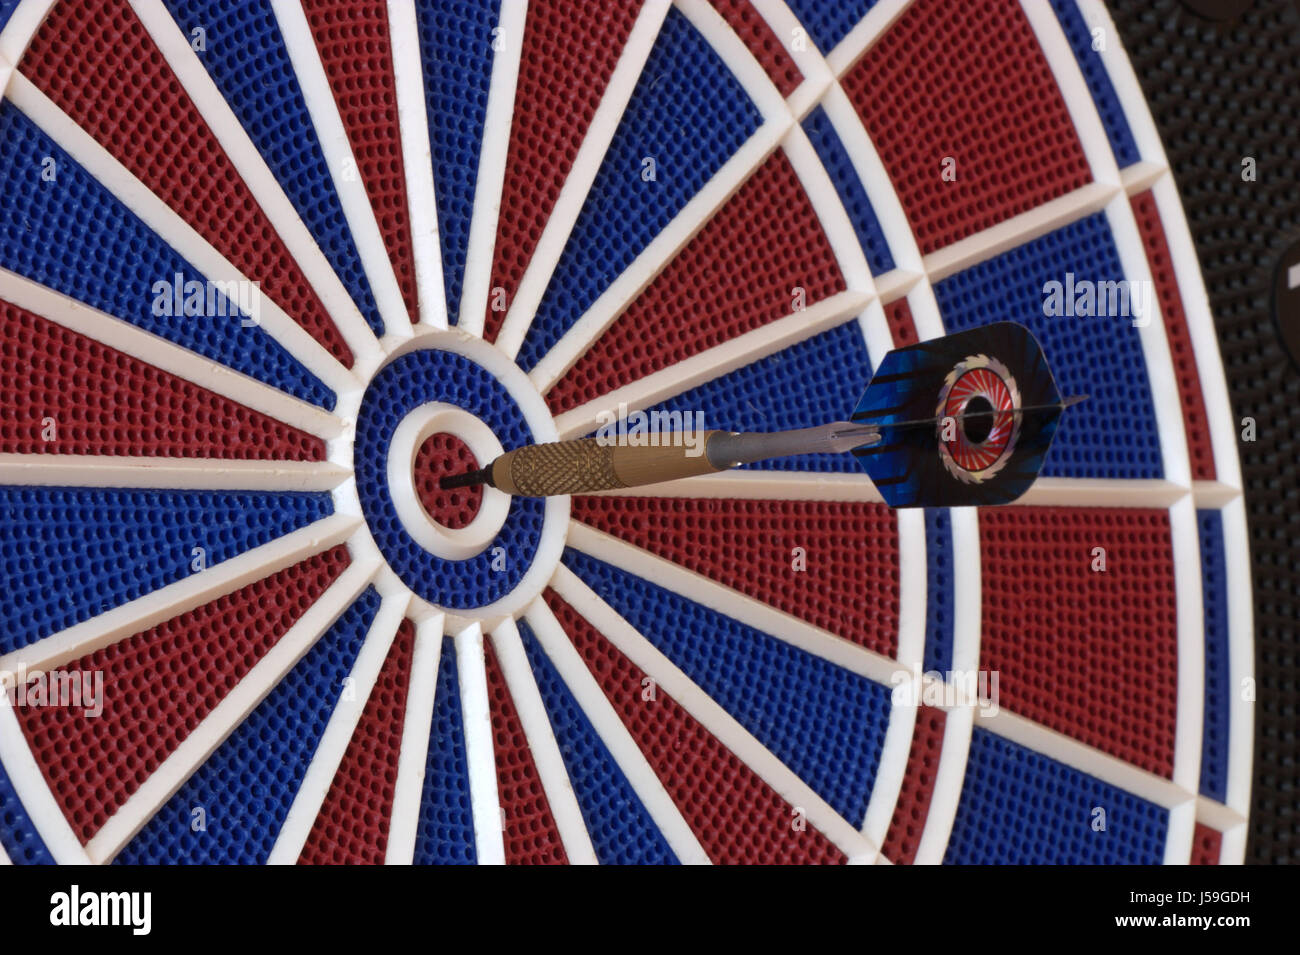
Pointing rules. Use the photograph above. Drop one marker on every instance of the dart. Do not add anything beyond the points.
(966, 419)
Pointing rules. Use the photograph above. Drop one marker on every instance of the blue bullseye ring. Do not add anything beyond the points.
(406, 383)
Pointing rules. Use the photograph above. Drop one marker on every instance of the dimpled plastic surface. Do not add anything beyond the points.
(902, 328)
(1019, 807)
(825, 723)
(940, 614)
(1219, 93)
(622, 831)
(440, 455)
(829, 21)
(528, 827)
(456, 47)
(1098, 80)
(734, 814)
(248, 61)
(73, 553)
(807, 384)
(77, 238)
(1114, 433)
(352, 827)
(1063, 639)
(1195, 424)
(96, 62)
(1206, 845)
(737, 275)
(1218, 687)
(913, 806)
(246, 787)
(688, 114)
(744, 18)
(406, 383)
(18, 836)
(445, 833)
(570, 50)
(839, 166)
(103, 401)
(352, 39)
(849, 586)
(966, 82)
(159, 685)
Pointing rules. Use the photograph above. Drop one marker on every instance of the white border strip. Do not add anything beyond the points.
(144, 346)
(226, 716)
(869, 29)
(716, 720)
(563, 801)
(493, 150)
(612, 732)
(480, 748)
(342, 724)
(586, 164)
(23, 23)
(413, 757)
(180, 597)
(323, 110)
(817, 76)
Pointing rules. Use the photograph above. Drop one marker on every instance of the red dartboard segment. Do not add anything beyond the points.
(1195, 424)
(159, 685)
(570, 50)
(96, 62)
(736, 817)
(531, 835)
(966, 82)
(103, 401)
(743, 17)
(442, 454)
(902, 328)
(850, 551)
(1206, 845)
(1091, 654)
(739, 273)
(352, 39)
(352, 825)
(913, 805)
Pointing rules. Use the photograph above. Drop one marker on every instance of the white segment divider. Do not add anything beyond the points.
(417, 162)
(716, 720)
(339, 157)
(226, 716)
(869, 29)
(586, 164)
(342, 724)
(174, 44)
(36, 797)
(545, 751)
(493, 151)
(24, 21)
(480, 748)
(794, 38)
(159, 217)
(408, 791)
(171, 358)
(213, 474)
(180, 597)
(614, 734)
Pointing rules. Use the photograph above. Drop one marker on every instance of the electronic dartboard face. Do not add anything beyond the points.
(274, 272)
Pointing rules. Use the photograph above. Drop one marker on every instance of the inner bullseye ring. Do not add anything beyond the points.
(450, 543)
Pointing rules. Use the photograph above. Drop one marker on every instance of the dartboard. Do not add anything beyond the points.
(271, 268)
